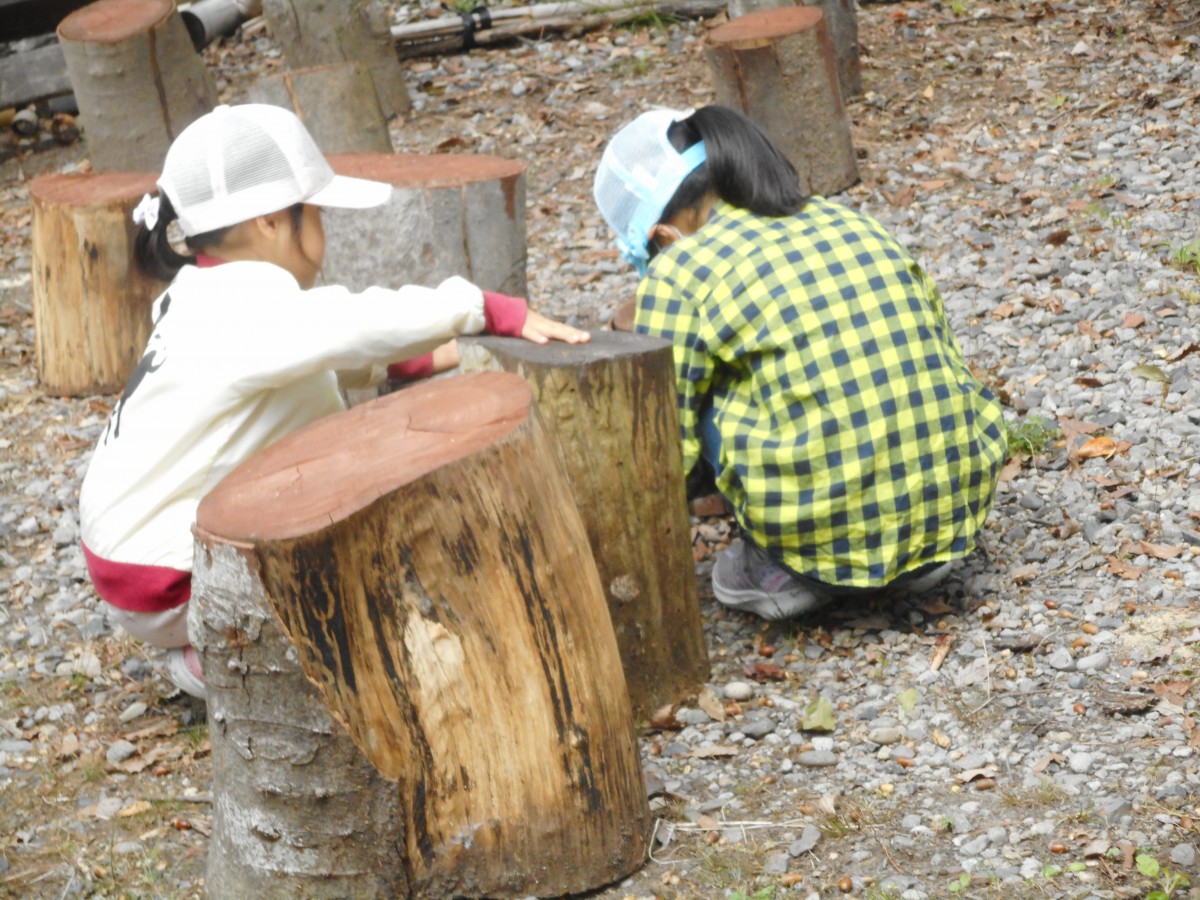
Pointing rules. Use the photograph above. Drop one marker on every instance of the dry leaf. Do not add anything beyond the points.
(1010, 469)
(1133, 320)
(1160, 551)
(764, 672)
(711, 704)
(1042, 765)
(971, 774)
(1123, 569)
(1186, 351)
(1087, 330)
(134, 809)
(1096, 447)
(664, 719)
(941, 648)
(716, 750)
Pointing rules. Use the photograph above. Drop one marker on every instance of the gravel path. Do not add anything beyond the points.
(1028, 731)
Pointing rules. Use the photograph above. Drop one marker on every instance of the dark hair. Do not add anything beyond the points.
(158, 259)
(742, 166)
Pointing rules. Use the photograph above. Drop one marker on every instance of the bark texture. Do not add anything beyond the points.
(610, 407)
(298, 811)
(317, 33)
(778, 67)
(137, 79)
(91, 304)
(424, 555)
(335, 102)
(451, 214)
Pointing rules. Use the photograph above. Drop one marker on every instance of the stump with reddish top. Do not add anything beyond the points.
(91, 304)
(778, 67)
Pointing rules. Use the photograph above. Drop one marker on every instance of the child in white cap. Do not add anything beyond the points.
(818, 378)
(244, 350)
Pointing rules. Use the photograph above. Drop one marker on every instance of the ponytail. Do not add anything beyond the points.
(743, 167)
(153, 251)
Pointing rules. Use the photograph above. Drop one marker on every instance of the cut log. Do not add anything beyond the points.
(424, 556)
(610, 407)
(335, 102)
(451, 214)
(91, 304)
(842, 22)
(777, 66)
(137, 79)
(316, 33)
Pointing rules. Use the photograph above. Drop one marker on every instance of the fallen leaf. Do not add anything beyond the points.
(1186, 351)
(663, 719)
(1133, 320)
(902, 197)
(1057, 238)
(818, 716)
(763, 672)
(1072, 427)
(1151, 373)
(941, 648)
(1102, 446)
(1174, 692)
(709, 702)
(1087, 330)
(134, 809)
(935, 607)
(1002, 310)
(907, 701)
(1045, 762)
(716, 750)
(1011, 469)
(1124, 569)
(971, 774)
(708, 823)
(1160, 551)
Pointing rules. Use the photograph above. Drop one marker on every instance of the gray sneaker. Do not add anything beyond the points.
(744, 578)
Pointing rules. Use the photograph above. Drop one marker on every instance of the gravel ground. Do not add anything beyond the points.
(1027, 731)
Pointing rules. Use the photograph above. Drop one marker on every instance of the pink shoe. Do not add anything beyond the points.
(744, 578)
(183, 668)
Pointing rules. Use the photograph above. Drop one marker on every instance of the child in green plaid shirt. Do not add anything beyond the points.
(816, 371)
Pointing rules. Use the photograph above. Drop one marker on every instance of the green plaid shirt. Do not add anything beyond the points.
(856, 445)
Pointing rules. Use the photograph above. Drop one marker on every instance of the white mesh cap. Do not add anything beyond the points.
(238, 162)
(639, 174)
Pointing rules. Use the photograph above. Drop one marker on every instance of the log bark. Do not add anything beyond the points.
(777, 66)
(842, 21)
(316, 33)
(452, 214)
(298, 811)
(336, 102)
(610, 407)
(424, 556)
(137, 80)
(91, 304)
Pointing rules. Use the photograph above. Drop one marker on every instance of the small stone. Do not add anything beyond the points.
(758, 728)
(132, 711)
(738, 690)
(1080, 763)
(1184, 855)
(119, 752)
(1062, 660)
(777, 864)
(1092, 663)
(807, 840)
(886, 735)
(817, 758)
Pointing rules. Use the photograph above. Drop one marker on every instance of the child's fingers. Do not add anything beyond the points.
(540, 329)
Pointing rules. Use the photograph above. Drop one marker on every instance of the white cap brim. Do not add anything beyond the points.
(345, 192)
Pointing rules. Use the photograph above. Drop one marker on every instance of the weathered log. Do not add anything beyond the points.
(424, 556)
(451, 214)
(91, 304)
(137, 79)
(335, 102)
(777, 66)
(316, 33)
(842, 22)
(33, 75)
(610, 407)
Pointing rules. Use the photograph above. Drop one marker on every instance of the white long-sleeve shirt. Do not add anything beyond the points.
(239, 356)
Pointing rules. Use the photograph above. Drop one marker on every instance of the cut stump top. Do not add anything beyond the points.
(90, 189)
(765, 24)
(603, 347)
(330, 469)
(114, 21)
(421, 170)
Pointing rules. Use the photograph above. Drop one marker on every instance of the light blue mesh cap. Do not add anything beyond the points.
(639, 174)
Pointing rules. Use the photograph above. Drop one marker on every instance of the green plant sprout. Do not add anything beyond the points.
(1031, 435)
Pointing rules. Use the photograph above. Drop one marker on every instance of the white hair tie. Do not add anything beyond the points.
(146, 212)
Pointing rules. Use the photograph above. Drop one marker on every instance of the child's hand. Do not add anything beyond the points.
(541, 330)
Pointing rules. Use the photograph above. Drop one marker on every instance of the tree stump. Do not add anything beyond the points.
(336, 102)
(91, 304)
(611, 409)
(777, 66)
(451, 214)
(842, 22)
(316, 33)
(424, 556)
(137, 79)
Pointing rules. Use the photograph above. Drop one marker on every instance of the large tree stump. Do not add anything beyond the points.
(425, 556)
(317, 33)
(777, 66)
(336, 102)
(138, 81)
(451, 214)
(91, 304)
(842, 22)
(610, 407)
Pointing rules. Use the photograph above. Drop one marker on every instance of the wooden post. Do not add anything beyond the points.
(777, 66)
(336, 102)
(451, 214)
(610, 407)
(91, 304)
(842, 22)
(317, 33)
(138, 81)
(424, 556)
